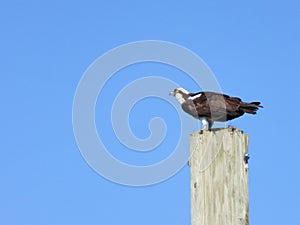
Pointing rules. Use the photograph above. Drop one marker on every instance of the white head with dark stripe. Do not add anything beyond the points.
(180, 94)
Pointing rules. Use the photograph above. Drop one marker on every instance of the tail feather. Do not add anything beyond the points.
(257, 104)
(250, 107)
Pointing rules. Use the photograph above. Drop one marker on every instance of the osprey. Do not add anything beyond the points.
(212, 106)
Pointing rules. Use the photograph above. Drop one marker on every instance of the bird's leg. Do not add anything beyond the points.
(210, 123)
(204, 123)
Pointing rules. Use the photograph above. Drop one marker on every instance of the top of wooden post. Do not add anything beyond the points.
(219, 177)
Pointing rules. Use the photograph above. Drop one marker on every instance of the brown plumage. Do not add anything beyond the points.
(213, 106)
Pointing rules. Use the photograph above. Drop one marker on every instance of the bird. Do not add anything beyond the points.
(209, 106)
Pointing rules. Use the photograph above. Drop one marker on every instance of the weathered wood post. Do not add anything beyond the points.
(219, 177)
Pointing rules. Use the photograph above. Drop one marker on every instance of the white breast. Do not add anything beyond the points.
(179, 98)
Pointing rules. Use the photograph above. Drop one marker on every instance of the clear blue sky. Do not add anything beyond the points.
(46, 46)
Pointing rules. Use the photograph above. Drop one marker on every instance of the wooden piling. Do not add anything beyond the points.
(219, 177)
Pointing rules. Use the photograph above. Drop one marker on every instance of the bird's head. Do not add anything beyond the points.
(181, 94)
(181, 91)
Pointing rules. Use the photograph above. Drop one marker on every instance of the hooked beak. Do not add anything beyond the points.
(172, 93)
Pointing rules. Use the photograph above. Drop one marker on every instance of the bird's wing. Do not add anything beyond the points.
(216, 105)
